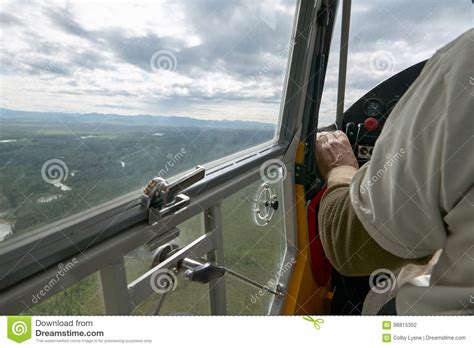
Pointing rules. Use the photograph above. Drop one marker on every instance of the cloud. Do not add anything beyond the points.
(45, 66)
(230, 56)
(90, 60)
(63, 19)
(8, 19)
(408, 31)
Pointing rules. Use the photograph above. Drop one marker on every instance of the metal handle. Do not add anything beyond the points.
(204, 273)
(165, 198)
(186, 181)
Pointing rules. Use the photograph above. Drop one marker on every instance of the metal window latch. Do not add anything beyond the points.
(165, 198)
(203, 271)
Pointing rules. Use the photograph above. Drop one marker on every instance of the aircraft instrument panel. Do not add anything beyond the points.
(365, 119)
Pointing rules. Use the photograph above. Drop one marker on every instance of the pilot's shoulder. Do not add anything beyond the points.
(456, 58)
(464, 41)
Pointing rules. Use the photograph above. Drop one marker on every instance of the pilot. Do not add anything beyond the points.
(415, 197)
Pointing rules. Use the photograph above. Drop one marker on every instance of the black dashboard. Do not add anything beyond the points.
(364, 120)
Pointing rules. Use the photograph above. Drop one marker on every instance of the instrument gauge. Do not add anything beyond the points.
(373, 107)
(391, 104)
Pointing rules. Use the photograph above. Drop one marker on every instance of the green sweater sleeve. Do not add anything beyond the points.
(346, 243)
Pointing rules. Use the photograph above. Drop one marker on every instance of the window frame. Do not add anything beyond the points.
(122, 224)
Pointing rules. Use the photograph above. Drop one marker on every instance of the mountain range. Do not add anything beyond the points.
(29, 117)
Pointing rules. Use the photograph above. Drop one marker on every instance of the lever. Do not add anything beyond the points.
(351, 132)
(201, 271)
(166, 197)
(204, 272)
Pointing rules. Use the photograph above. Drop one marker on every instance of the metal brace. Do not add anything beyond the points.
(163, 198)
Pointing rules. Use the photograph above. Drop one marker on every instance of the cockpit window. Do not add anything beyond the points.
(99, 97)
(385, 38)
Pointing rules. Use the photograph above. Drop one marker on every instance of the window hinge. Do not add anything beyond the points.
(162, 198)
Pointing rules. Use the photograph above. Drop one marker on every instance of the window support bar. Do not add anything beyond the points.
(217, 292)
(341, 88)
(115, 290)
(24, 295)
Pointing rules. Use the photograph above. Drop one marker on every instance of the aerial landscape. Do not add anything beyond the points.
(54, 165)
(100, 157)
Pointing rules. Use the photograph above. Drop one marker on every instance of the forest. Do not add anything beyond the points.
(53, 166)
(56, 165)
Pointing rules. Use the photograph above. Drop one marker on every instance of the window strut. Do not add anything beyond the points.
(345, 24)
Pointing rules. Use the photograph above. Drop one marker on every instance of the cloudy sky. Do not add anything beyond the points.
(210, 59)
(388, 36)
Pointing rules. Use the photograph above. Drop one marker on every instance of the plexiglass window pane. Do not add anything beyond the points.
(252, 247)
(97, 97)
(82, 298)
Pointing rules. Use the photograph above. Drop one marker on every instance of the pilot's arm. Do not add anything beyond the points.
(416, 195)
(351, 250)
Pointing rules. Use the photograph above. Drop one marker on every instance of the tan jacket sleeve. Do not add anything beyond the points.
(345, 241)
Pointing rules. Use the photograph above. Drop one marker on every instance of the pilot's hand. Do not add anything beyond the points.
(333, 149)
